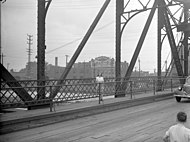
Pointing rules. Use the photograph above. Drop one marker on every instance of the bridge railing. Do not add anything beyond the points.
(81, 89)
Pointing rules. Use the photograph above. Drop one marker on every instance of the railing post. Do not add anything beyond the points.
(51, 100)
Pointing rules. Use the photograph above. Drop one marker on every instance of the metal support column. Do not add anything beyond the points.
(42, 12)
(0, 34)
(41, 49)
(185, 41)
(119, 11)
(159, 44)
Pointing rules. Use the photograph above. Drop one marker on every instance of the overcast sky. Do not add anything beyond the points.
(66, 24)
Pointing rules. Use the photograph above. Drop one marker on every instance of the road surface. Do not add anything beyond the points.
(136, 124)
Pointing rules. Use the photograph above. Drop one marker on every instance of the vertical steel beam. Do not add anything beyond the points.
(0, 33)
(159, 44)
(79, 49)
(119, 11)
(42, 12)
(41, 49)
(185, 41)
(141, 40)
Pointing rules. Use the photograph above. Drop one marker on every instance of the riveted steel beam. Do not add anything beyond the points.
(119, 12)
(185, 40)
(139, 46)
(79, 49)
(42, 12)
(172, 43)
(159, 45)
(13, 83)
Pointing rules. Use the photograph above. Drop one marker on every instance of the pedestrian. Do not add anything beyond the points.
(100, 86)
(178, 132)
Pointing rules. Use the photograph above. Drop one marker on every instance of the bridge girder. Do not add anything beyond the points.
(120, 13)
(161, 24)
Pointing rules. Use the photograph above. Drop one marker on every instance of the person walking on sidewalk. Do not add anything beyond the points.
(178, 132)
(100, 87)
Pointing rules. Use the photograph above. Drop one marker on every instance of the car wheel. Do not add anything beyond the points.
(178, 99)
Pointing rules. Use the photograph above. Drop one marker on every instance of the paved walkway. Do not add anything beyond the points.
(20, 113)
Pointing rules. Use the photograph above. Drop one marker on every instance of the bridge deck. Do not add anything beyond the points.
(20, 119)
(146, 122)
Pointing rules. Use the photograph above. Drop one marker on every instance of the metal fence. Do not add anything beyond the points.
(80, 89)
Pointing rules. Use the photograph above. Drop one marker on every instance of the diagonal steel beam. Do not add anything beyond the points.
(139, 45)
(172, 43)
(79, 49)
(14, 85)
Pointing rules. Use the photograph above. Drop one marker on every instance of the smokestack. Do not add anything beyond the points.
(56, 61)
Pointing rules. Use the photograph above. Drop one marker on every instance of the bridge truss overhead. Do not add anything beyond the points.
(172, 15)
(168, 21)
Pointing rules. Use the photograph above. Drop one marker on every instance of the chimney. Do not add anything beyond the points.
(56, 61)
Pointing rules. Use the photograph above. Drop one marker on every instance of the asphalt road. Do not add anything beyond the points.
(144, 123)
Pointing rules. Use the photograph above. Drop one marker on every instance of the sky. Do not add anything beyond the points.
(67, 21)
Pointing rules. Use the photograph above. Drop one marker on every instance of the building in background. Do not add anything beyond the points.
(100, 65)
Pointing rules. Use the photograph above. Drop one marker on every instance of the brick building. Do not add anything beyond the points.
(80, 70)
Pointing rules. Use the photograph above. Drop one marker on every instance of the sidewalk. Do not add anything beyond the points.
(19, 113)
(14, 120)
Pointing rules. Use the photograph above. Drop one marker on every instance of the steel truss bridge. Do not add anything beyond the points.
(43, 91)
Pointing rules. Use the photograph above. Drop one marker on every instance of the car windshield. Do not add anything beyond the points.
(188, 80)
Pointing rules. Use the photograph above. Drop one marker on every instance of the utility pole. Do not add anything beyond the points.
(29, 50)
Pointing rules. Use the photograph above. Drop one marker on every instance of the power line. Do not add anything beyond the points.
(104, 26)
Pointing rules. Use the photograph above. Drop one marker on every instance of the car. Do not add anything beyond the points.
(183, 91)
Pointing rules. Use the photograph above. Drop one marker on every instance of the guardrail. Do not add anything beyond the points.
(80, 89)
